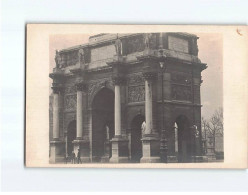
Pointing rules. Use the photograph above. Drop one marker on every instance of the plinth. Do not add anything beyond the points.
(56, 151)
(119, 150)
(150, 145)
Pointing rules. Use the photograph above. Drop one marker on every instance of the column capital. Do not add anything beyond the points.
(149, 75)
(119, 80)
(57, 89)
(81, 86)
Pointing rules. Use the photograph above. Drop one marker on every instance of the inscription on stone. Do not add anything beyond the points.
(102, 53)
(178, 44)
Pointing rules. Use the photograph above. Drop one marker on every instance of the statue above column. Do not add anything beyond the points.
(118, 47)
(81, 58)
(147, 37)
(58, 59)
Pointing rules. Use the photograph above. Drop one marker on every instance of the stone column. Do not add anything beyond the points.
(117, 110)
(119, 144)
(79, 112)
(81, 145)
(56, 145)
(150, 142)
(148, 106)
(55, 114)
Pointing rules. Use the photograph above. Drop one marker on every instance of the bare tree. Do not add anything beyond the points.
(214, 126)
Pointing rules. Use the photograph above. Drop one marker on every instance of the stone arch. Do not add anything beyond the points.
(97, 86)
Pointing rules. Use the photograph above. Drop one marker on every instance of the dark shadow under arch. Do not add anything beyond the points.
(102, 117)
(184, 139)
(71, 135)
(136, 135)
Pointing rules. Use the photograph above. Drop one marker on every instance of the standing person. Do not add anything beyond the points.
(79, 157)
(73, 157)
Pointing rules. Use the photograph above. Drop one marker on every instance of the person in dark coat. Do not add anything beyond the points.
(73, 157)
(79, 156)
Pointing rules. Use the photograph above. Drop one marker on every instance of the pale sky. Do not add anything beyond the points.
(210, 52)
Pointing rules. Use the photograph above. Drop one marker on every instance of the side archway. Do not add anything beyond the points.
(71, 135)
(136, 135)
(184, 140)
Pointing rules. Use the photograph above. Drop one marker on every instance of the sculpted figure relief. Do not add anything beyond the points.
(81, 57)
(147, 40)
(143, 128)
(118, 47)
(57, 59)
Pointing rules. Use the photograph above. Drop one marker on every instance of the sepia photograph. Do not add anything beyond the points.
(136, 98)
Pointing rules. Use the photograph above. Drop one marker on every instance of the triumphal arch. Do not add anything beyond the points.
(128, 98)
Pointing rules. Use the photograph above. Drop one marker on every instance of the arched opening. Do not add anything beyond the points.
(71, 135)
(136, 135)
(183, 139)
(102, 124)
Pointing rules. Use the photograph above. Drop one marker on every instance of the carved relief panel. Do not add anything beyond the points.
(70, 102)
(136, 88)
(181, 86)
(182, 93)
(134, 44)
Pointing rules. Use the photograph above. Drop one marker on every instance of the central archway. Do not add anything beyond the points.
(136, 135)
(102, 124)
(184, 142)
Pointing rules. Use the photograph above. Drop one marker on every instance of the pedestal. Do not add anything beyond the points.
(84, 149)
(56, 152)
(106, 155)
(150, 145)
(210, 154)
(198, 159)
(172, 159)
(119, 150)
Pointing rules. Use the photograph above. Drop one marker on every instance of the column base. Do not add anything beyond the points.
(198, 159)
(56, 152)
(211, 157)
(172, 159)
(83, 147)
(106, 156)
(150, 146)
(119, 150)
